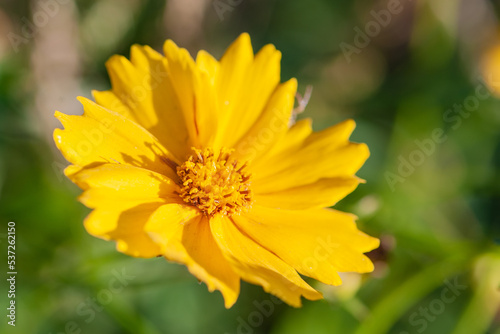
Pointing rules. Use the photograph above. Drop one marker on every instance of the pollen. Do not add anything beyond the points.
(215, 183)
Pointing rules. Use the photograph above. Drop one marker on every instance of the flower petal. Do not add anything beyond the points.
(206, 111)
(338, 157)
(116, 186)
(196, 93)
(124, 197)
(259, 76)
(189, 241)
(166, 224)
(320, 194)
(233, 70)
(317, 243)
(209, 265)
(208, 64)
(181, 68)
(272, 124)
(126, 227)
(101, 135)
(143, 91)
(288, 145)
(257, 265)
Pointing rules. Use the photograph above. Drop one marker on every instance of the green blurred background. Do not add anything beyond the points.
(415, 86)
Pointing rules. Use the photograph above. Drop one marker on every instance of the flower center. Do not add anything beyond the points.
(214, 183)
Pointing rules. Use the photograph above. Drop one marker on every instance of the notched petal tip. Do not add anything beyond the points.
(170, 44)
(269, 49)
(58, 114)
(61, 117)
(174, 52)
(359, 180)
(84, 101)
(203, 55)
(140, 56)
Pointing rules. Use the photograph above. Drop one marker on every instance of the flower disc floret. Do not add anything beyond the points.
(215, 183)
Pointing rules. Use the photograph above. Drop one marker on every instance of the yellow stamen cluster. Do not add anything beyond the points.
(214, 183)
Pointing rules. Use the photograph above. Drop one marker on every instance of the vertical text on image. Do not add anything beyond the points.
(11, 273)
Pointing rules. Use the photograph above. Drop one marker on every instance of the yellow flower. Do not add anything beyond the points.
(490, 68)
(195, 160)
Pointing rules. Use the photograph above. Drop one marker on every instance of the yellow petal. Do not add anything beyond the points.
(234, 66)
(101, 135)
(490, 68)
(182, 70)
(317, 243)
(245, 86)
(143, 90)
(128, 85)
(324, 154)
(288, 145)
(208, 263)
(207, 104)
(206, 109)
(126, 228)
(320, 194)
(196, 92)
(186, 238)
(165, 225)
(115, 186)
(272, 124)
(230, 85)
(110, 100)
(294, 140)
(208, 64)
(257, 265)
